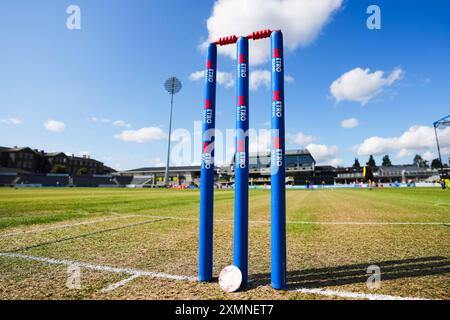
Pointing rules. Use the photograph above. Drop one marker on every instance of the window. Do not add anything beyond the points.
(291, 161)
(253, 165)
(264, 162)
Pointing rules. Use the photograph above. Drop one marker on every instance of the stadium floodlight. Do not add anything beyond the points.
(444, 122)
(172, 86)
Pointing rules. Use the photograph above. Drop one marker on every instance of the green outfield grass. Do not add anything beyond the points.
(333, 236)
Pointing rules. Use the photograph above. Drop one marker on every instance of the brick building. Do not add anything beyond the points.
(34, 161)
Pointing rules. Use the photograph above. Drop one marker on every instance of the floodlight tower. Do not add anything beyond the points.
(444, 122)
(173, 86)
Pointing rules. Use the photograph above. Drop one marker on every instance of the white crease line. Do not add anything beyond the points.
(354, 295)
(67, 225)
(136, 272)
(119, 284)
(318, 222)
(368, 223)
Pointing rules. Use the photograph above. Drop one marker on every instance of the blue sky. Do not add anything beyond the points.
(113, 68)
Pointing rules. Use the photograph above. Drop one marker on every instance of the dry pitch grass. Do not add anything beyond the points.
(156, 231)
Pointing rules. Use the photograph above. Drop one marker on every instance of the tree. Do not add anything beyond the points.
(82, 170)
(368, 173)
(386, 161)
(58, 168)
(418, 161)
(371, 163)
(436, 164)
(356, 164)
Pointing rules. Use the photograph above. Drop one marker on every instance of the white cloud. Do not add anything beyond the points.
(197, 75)
(141, 135)
(121, 123)
(116, 123)
(54, 126)
(157, 162)
(415, 140)
(334, 162)
(223, 78)
(377, 146)
(259, 141)
(301, 139)
(325, 155)
(11, 121)
(259, 78)
(349, 123)
(361, 86)
(300, 20)
(403, 153)
(288, 78)
(429, 156)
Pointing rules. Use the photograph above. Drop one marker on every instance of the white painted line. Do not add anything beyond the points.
(440, 203)
(354, 295)
(119, 284)
(67, 225)
(318, 222)
(135, 273)
(90, 266)
(367, 223)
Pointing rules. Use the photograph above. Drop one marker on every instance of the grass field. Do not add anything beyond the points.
(142, 243)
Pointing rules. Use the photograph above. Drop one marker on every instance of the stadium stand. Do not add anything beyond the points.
(63, 180)
(123, 180)
(43, 180)
(93, 181)
(140, 180)
(7, 179)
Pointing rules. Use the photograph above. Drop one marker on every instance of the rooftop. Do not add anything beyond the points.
(159, 169)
